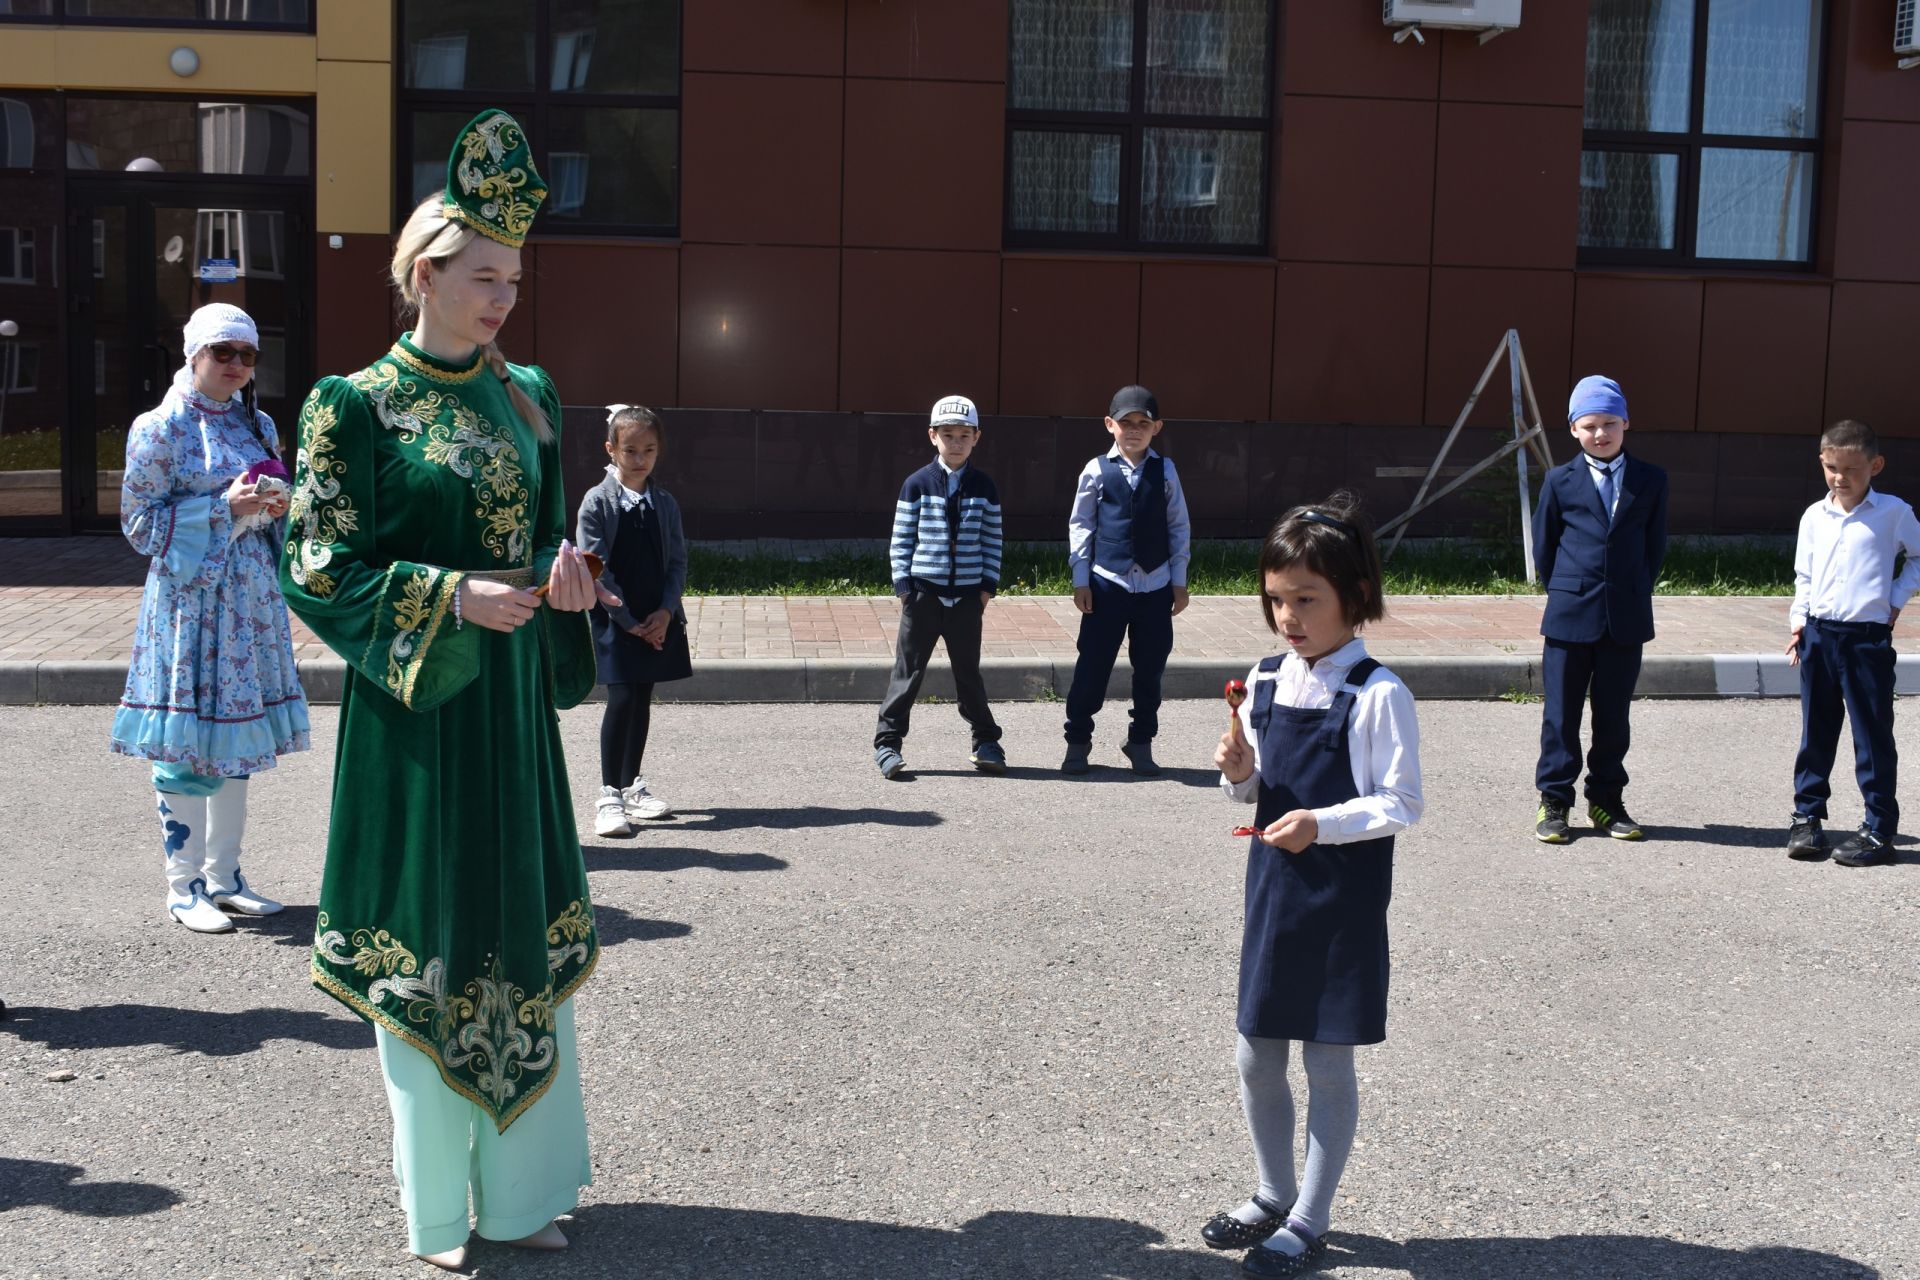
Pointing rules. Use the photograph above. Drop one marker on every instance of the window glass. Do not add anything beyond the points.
(615, 46)
(1208, 61)
(1071, 55)
(467, 44)
(1755, 204)
(27, 136)
(1202, 186)
(1639, 65)
(265, 12)
(1763, 68)
(181, 135)
(1629, 199)
(611, 165)
(1066, 181)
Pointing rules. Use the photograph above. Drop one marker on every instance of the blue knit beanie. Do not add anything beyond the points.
(1596, 394)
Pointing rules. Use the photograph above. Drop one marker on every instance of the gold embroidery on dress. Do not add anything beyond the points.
(426, 370)
(322, 515)
(499, 189)
(410, 614)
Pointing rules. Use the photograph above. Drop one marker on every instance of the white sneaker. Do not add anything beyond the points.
(642, 803)
(610, 815)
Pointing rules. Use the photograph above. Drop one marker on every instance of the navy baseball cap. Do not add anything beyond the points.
(1134, 399)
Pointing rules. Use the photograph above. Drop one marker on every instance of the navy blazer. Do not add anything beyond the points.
(1600, 578)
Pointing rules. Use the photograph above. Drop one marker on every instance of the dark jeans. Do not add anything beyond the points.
(1847, 665)
(1570, 671)
(1145, 621)
(924, 622)
(623, 732)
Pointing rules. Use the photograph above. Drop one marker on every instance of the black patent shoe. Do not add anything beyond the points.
(1271, 1264)
(1805, 841)
(1224, 1231)
(1864, 849)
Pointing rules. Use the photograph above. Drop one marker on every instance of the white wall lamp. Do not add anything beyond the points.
(184, 61)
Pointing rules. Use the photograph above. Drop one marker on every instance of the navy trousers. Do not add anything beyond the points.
(1571, 672)
(1145, 621)
(1847, 665)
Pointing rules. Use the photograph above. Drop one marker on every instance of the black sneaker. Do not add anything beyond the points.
(1140, 756)
(1612, 819)
(1550, 822)
(1864, 849)
(1806, 842)
(989, 757)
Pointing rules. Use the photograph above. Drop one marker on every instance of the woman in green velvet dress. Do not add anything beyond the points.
(454, 913)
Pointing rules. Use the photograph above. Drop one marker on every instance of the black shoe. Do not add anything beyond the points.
(1806, 842)
(1076, 761)
(1271, 1264)
(1140, 756)
(989, 757)
(1864, 849)
(1550, 822)
(1610, 818)
(1224, 1231)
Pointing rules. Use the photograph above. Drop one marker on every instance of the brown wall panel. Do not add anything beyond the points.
(1507, 186)
(609, 322)
(1871, 356)
(1874, 87)
(1879, 192)
(353, 307)
(1645, 334)
(1691, 460)
(811, 462)
(1349, 343)
(1543, 62)
(1290, 465)
(928, 39)
(1763, 356)
(916, 326)
(798, 37)
(759, 327)
(1471, 312)
(1212, 461)
(1206, 338)
(1069, 334)
(761, 161)
(924, 164)
(1355, 180)
(1345, 49)
(1762, 484)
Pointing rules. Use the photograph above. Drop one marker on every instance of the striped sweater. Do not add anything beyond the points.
(948, 546)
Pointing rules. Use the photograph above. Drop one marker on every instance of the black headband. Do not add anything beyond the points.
(1332, 522)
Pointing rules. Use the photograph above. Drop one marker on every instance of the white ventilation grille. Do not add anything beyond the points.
(1906, 15)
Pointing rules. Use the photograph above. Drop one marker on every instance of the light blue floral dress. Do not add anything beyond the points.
(212, 684)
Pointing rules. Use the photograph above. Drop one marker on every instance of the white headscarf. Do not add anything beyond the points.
(215, 322)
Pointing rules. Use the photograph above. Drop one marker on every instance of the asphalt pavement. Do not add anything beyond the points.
(960, 1026)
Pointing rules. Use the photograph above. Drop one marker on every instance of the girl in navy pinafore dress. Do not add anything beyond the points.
(633, 525)
(1330, 753)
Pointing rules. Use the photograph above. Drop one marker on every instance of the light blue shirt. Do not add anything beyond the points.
(1086, 503)
(1597, 471)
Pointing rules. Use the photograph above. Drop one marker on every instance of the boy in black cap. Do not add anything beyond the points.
(1128, 543)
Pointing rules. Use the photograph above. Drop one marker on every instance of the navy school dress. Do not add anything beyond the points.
(637, 564)
(1313, 960)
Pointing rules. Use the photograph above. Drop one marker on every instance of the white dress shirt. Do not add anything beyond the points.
(1383, 744)
(629, 498)
(1080, 525)
(1598, 468)
(1843, 563)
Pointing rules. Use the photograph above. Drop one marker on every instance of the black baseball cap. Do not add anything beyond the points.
(1134, 399)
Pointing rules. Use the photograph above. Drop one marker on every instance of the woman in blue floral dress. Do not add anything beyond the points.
(212, 694)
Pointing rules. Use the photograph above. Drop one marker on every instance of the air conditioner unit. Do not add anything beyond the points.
(1488, 17)
(1906, 33)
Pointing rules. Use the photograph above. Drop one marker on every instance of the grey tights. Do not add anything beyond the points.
(1333, 1112)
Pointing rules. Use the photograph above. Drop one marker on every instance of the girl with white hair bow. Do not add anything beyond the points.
(212, 694)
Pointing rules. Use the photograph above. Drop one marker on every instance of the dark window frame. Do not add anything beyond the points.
(1131, 127)
(1689, 146)
(530, 107)
(60, 17)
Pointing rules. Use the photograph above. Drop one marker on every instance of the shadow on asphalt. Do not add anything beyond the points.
(27, 1183)
(1715, 833)
(1579, 1256)
(805, 815)
(641, 856)
(617, 925)
(1099, 773)
(203, 1031)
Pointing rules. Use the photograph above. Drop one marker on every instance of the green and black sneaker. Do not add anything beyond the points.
(1613, 820)
(1550, 822)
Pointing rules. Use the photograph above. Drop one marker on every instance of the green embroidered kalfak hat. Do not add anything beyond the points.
(492, 185)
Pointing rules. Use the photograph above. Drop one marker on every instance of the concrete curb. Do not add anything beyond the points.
(1767, 675)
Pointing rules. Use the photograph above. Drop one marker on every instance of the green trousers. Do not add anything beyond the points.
(443, 1145)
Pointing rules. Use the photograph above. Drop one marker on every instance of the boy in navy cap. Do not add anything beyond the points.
(1128, 543)
(1599, 536)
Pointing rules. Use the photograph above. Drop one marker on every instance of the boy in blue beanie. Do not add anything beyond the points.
(1599, 537)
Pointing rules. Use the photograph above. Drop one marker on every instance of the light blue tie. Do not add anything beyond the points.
(1606, 491)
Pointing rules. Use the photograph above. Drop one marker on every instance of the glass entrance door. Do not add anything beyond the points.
(141, 261)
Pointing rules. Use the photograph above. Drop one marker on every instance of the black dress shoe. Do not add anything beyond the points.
(1140, 756)
(1224, 1231)
(1271, 1264)
(1864, 849)
(1806, 842)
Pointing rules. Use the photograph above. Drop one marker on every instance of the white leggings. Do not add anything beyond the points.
(1333, 1113)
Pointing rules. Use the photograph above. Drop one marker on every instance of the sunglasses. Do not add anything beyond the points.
(226, 354)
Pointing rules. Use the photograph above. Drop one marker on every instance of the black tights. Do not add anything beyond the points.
(623, 733)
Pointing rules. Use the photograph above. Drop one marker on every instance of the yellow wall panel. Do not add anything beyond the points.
(353, 148)
(230, 61)
(356, 30)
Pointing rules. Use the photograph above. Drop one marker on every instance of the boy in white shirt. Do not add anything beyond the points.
(1846, 599)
